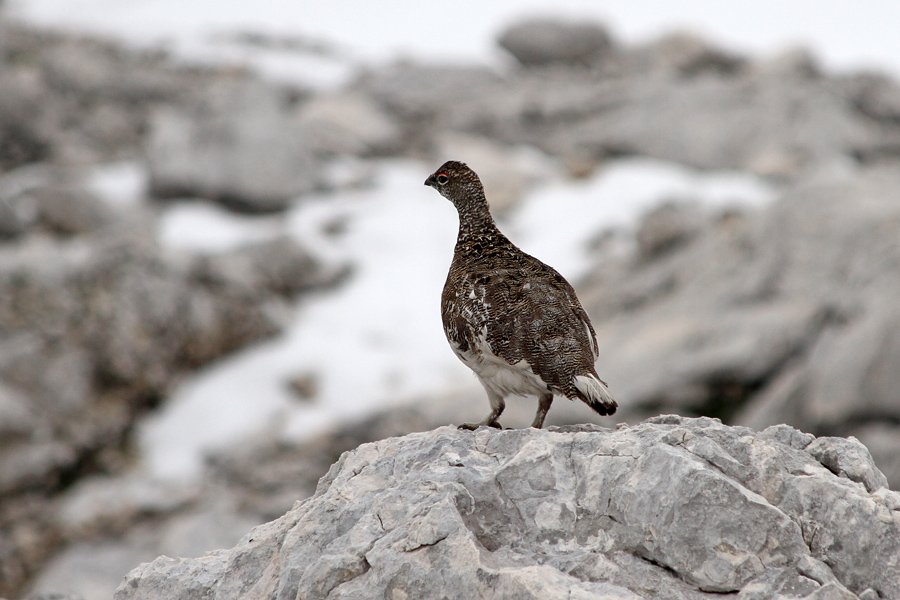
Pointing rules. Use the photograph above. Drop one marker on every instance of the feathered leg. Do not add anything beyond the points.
(497, 406)
(544, 403)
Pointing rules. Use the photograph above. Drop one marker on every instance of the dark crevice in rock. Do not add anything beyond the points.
(345, 575)
(18, 146)
(809, 531)
(659, 565)
(426, 544)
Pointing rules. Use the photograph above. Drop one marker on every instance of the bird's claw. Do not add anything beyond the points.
(474, 426)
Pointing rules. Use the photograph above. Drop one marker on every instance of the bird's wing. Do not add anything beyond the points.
(534, 314)
(568, 294)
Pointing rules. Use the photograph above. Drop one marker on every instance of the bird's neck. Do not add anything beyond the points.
(476, 224)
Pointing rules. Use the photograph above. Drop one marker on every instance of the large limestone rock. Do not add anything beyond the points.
(542, 41)
(671, 508)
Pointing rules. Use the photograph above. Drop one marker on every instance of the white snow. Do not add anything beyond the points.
(375, 340)
(206, 228)
(559, 220)
(122, 185)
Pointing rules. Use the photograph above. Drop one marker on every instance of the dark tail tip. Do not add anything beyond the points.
(604, 409)
(594, 392)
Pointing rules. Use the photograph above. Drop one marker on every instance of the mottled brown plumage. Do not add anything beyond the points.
(509, 317)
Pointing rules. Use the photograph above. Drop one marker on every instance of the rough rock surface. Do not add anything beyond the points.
(670, 508)
(116, 523)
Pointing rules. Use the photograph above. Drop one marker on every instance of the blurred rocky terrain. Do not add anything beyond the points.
(784, 315)
(97, 322)
(671, 508)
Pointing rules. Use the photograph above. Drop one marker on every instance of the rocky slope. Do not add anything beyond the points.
(785, 315)
(97, 321)
(93, 334)
(670, 508)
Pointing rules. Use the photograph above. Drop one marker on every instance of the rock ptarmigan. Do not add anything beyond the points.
(509, 317)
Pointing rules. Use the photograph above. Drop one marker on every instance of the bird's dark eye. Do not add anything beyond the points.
(442, 178)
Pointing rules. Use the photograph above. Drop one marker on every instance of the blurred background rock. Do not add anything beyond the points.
(781, 311)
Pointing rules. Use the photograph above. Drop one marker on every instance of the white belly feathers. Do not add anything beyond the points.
(497, 375)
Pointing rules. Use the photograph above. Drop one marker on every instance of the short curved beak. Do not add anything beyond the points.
(430, 181)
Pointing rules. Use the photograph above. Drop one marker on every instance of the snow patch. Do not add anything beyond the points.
(206, 228)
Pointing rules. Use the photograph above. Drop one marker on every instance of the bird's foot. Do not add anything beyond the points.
(474, 426)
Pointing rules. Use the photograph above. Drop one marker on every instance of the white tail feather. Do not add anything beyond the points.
(596, 394)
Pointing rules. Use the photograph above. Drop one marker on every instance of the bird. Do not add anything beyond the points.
(513, 320)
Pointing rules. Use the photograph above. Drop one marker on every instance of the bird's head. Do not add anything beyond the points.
(456, 182)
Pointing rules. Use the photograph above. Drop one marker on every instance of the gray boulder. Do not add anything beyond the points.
(92, 331)
(671, 508)
(348, 124)
(542, 41)
(50, 199)
(668, 226)
(875, 95)
(709, 121)
(279, 265)
(241, 145)
(847, 457)
(417, 94)
(67, 210)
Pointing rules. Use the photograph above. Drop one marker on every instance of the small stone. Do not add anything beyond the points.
(667, 226)
(847, 457)
(305, 386)
(69, 211)
(788, 435)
